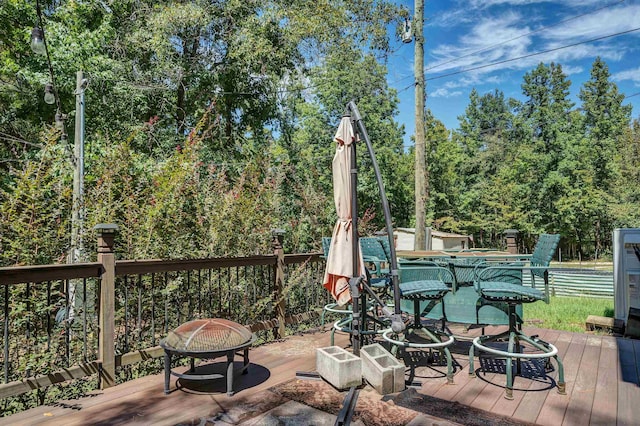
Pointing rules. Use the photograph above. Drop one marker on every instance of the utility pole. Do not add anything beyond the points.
(421, 178)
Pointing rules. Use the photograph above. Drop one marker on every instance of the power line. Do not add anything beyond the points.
(507, 41)
(522, 35)
(504, 61)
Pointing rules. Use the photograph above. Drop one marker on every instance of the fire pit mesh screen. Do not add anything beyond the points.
(207, 335)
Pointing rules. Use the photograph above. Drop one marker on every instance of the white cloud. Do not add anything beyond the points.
(631, 74)
(507, 40)
(444, 93)
(483, 4)
(604, 22)
(569, 70)
(484, 43)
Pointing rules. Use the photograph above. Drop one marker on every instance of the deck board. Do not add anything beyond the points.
(581, 401)
(602, 375)
(555, 405)
(605, 401)
(532, 402)
(522, 386)
(628, 395)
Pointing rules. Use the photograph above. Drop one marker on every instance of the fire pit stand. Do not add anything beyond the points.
(207, 339)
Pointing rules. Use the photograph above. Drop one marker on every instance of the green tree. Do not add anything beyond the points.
(605, 120)
(483, 138)
(546, 112)
(346, 75)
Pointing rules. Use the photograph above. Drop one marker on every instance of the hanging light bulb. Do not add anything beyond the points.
(59, 121)
(49, 96)
(37, 41)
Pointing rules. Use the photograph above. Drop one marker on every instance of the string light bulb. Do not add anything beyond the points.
(59, 121)
(49, 96)
(37, 41)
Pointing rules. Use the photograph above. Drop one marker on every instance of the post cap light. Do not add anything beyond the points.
(37, 41)
(106, 228)
(278, 231)
(49, 96)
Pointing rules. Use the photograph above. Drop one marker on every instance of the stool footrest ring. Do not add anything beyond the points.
(434, 345)
(553, 351)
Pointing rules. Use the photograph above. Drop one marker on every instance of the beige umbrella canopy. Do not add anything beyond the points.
(340, 257)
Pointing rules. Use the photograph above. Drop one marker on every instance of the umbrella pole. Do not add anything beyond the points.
(354, 282)
(362, 131)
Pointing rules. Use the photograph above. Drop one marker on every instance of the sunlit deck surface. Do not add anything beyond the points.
(601, 374)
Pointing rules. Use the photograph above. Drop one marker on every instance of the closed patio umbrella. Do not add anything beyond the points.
(340, 257)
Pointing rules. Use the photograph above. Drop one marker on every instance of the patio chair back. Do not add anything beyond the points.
(463, 270)
(543, 252)
(326, 243)
(426, 271)
(372, 248)
(384, 242)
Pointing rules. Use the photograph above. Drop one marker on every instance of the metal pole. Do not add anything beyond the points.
(355, 278)
(76, 251)
(77, 212)
(360, 129)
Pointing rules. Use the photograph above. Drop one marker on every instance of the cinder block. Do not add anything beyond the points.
(381, 369)
(337, 366)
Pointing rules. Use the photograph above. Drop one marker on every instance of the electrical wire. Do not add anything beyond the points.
(521, 36)
(507, 41)
(555, 49)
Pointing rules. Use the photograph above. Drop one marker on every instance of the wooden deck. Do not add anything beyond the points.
(601, 372)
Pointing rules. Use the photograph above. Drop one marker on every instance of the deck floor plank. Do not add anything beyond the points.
(579, 407)
(532, 402)
(605, 401)
(521, 385)
(555, 406)
(628, 395)
(602, 374)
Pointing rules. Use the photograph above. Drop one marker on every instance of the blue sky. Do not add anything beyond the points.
(463, 34)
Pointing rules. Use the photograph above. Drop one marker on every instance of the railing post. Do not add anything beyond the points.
(106, 340)
(511, 236)
(279, 299)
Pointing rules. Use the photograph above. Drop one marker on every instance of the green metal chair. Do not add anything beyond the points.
(419, 282)
(384, 242)
(374, 254)
(374, 250)
(503, 284)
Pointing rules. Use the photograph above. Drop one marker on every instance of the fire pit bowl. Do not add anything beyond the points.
(207, 339)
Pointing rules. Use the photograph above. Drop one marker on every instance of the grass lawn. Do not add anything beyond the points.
(566, 313)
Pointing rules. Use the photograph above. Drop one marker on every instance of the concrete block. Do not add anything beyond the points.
(337, 366)
(597, 322)
(381, 369)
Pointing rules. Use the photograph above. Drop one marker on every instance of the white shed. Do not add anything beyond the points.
(436, 240)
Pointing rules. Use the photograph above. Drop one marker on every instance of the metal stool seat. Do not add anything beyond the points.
(503, 284)
(427, 281)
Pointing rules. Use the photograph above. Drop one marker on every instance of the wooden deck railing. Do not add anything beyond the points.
(63, 322)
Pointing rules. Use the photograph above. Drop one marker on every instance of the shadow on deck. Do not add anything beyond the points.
(601, 374)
